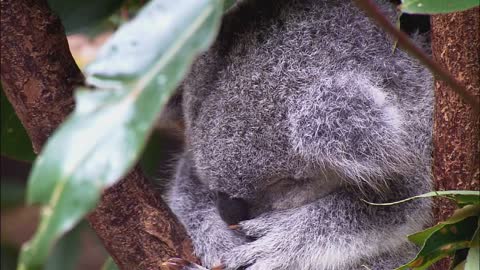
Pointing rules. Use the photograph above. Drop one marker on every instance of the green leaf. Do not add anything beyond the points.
(461, 197)
(473, 258)
(136, 71)
(77, 15)
(66, 252)
(459, 214)
(109, 264)
(14, 141)
(444, 242)
(436, 6)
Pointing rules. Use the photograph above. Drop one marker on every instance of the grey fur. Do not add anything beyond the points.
(301, 108)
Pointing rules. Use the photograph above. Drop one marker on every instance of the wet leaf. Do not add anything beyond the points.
(436, 6)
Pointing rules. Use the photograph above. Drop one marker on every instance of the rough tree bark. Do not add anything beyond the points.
(38, 76)
(38, 73)
(456, 137)
(137, 227)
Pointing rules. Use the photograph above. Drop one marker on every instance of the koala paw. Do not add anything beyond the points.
(276, 244)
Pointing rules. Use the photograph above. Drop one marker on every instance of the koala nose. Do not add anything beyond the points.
(231, 210)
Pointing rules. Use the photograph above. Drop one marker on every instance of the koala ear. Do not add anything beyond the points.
(171, 118)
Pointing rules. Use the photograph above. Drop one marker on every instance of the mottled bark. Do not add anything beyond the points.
(456, 139)
(37, 70)
(133, 224)
(38, 76)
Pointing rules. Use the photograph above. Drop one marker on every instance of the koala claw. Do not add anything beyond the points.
(218, 267)
(180, 264)
(270, 243)
(234, 227)
(260, 226)
(175, 264)
(245, 232)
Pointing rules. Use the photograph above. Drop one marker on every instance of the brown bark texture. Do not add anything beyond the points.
(456, 136)
(38, 76)
(37, 70)
(134, 226)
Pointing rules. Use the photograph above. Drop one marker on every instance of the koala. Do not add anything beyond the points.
(298, 114)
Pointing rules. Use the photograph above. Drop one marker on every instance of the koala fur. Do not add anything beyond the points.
(301, 109)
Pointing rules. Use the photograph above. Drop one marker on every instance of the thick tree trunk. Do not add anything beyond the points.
(456, 137)
(38, 76)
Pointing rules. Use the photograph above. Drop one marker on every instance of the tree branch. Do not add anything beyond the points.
(456, 136)
(404, 41)
(38, 76)
(37, 70)
(137, 227)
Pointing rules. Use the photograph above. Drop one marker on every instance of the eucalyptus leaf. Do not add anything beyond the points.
(444, 242)
(14, 141)
(461, 197)
(419, 238)
(136, 72)
(436, 6)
